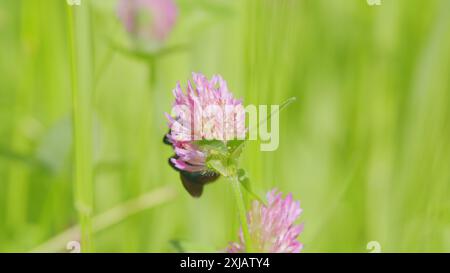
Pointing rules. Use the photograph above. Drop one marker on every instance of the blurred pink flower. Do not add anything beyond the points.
(148, 19)
(272, 227)
(207, 111)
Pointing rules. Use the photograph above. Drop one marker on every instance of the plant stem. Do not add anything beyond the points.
(242, 211)
(152, 74)
(81, 83)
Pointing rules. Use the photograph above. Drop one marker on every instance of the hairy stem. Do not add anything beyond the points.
(242, 212)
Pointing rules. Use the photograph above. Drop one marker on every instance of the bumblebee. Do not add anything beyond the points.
(193, 182)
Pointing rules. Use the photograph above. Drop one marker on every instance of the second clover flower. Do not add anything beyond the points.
(272, 227)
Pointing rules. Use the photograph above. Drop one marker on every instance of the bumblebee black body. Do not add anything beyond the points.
(193, 182)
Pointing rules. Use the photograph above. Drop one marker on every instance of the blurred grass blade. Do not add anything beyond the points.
(109, 218)
(81, 60)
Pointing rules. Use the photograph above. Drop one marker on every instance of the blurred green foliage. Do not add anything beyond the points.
(365, 147)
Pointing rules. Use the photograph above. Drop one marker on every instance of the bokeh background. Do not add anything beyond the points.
(365, 147)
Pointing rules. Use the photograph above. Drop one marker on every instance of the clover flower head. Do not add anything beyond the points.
(206, 111)
(148, 20)
(271, 227)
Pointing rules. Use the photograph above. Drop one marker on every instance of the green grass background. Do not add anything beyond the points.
(365, 147)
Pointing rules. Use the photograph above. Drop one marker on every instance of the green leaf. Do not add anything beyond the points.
(235, 148)
(219, 166)
(211, 144)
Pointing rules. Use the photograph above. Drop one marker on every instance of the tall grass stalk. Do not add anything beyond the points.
(81, 79)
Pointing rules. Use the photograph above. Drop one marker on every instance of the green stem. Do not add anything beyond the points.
(81, 84)
(242, 212)
(152, 74)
